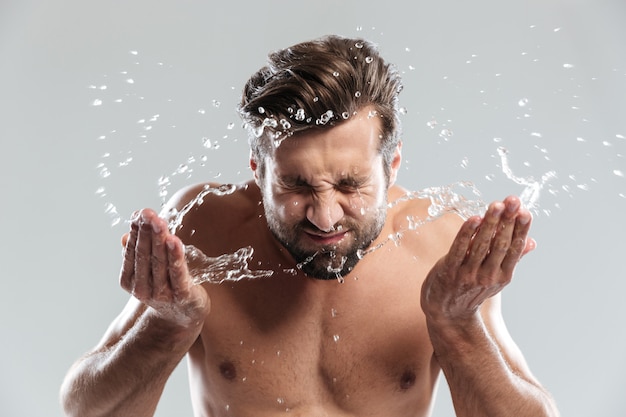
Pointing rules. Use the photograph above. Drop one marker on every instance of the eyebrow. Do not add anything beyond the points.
(349, 180)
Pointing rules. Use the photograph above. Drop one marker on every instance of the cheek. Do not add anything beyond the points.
(291, 208)
(366, 203)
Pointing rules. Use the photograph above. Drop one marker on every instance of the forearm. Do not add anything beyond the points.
(481, 381)
(126, 378)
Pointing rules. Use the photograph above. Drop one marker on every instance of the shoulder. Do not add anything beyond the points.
(211, 206)
(409, 215)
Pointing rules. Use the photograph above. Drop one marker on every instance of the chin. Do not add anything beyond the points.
(326, 267)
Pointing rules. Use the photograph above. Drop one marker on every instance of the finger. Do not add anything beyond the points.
(177, 266)
(531, 245)
(519, 242)
(481, 243)
(461, 244)
(125, 237)
(142, 285)
(501, 241)
(160, 282)
(128, 265)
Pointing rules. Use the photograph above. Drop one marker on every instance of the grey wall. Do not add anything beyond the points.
(468, 66)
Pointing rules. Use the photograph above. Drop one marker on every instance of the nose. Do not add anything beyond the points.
(324, 211)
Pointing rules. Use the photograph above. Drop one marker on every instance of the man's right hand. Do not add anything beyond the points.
(155, 272)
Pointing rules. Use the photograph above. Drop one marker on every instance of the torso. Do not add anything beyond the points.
(288, 343)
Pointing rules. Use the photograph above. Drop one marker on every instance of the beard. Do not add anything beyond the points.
(327, 262)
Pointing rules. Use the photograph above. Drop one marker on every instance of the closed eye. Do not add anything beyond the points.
(350, 184)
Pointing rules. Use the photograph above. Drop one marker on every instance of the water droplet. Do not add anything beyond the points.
(333, 312)
(261, 110)
(357, 94)
(300, 116)
(130, 81)
(96, 102)
(201, 111)
(336, 74)
(445, 134)
(336, 338)
(216, 103)
(325, 118)
(125, 162)
(568, 66)
(359, 45)
(522, 102)
(618, 172)
(105, 173)
(369, 59)
(206, 142)
(182, 168)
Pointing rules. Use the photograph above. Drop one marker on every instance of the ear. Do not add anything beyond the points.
(395, 164)
(254, 165)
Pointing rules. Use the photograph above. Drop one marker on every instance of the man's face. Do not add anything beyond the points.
(325, 194)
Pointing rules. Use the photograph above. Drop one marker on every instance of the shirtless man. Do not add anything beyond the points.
(323, 204)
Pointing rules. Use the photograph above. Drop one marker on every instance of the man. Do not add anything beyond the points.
(361, 312)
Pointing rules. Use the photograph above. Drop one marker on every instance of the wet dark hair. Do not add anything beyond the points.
(318, 84)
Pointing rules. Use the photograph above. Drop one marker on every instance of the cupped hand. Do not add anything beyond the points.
(155, 272)
(480, 262)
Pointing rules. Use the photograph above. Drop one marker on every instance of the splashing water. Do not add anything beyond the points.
(461, 198)
(227, 267)
(530, 195)
(175, 218)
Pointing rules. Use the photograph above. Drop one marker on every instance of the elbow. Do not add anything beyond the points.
(546, 407)
(73, 397)
(69, 397)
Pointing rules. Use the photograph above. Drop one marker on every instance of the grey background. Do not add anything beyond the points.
(67, 166)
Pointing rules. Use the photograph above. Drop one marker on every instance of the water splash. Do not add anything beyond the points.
(461, 198)
(175, 217)
(227, 267)
(532, 188)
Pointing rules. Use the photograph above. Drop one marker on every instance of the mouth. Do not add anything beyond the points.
(326, 238)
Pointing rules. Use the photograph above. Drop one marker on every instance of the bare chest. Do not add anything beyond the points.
(287, 343)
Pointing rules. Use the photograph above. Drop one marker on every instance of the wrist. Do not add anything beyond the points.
(167, 333)
(449, 334)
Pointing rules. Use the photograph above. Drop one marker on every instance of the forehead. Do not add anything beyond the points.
(352, 145)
